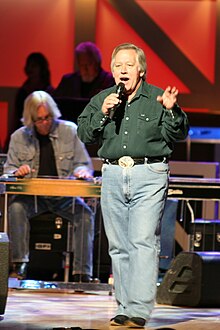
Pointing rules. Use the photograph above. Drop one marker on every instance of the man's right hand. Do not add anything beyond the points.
(110, 102)
(23, 170)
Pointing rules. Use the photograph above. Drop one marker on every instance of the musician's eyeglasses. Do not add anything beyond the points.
(40, 120)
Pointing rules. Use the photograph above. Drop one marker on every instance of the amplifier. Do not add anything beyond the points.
(46, 266)
(48, 233)
(205, 235)
(48, 247)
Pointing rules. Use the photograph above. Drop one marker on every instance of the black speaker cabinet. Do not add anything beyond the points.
(192, 280)
(4, 268)
(48, 233)
(48, 245)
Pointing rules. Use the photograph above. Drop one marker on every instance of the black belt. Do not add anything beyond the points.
(135, 161)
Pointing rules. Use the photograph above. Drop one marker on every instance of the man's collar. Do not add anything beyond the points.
(143, 90)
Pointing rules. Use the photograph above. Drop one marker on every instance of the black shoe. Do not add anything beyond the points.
(85, 278)
(136, 322)
(119, 320)
(18, 270)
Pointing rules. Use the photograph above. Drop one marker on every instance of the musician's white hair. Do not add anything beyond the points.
(33, 102)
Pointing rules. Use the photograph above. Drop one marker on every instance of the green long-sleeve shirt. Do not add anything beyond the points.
(139, 128)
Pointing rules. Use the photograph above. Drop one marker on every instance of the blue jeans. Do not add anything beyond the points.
(132, 203)
(22, 208)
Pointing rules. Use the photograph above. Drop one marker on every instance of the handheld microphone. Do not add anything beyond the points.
(119, 90)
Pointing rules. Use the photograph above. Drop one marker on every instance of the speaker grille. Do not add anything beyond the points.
(192, 280)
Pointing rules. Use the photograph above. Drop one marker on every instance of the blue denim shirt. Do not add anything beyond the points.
(70, 153)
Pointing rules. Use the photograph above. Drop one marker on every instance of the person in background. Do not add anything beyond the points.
(76, 89)
(38, 78)
(137, 128)
(48, 146)
(89, 79)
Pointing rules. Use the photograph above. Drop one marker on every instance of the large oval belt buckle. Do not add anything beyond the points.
(126, 162)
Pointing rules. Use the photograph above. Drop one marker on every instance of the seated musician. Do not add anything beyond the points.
(48, 146)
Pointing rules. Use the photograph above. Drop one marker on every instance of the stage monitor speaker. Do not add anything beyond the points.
(192, 280)
(4, 268)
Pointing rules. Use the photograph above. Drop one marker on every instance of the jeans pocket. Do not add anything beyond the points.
(159, 168)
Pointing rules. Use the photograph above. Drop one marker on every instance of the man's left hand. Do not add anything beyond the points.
(169, 97)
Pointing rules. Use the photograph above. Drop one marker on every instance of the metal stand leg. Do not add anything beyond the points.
(68, 251)
(5, 222)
